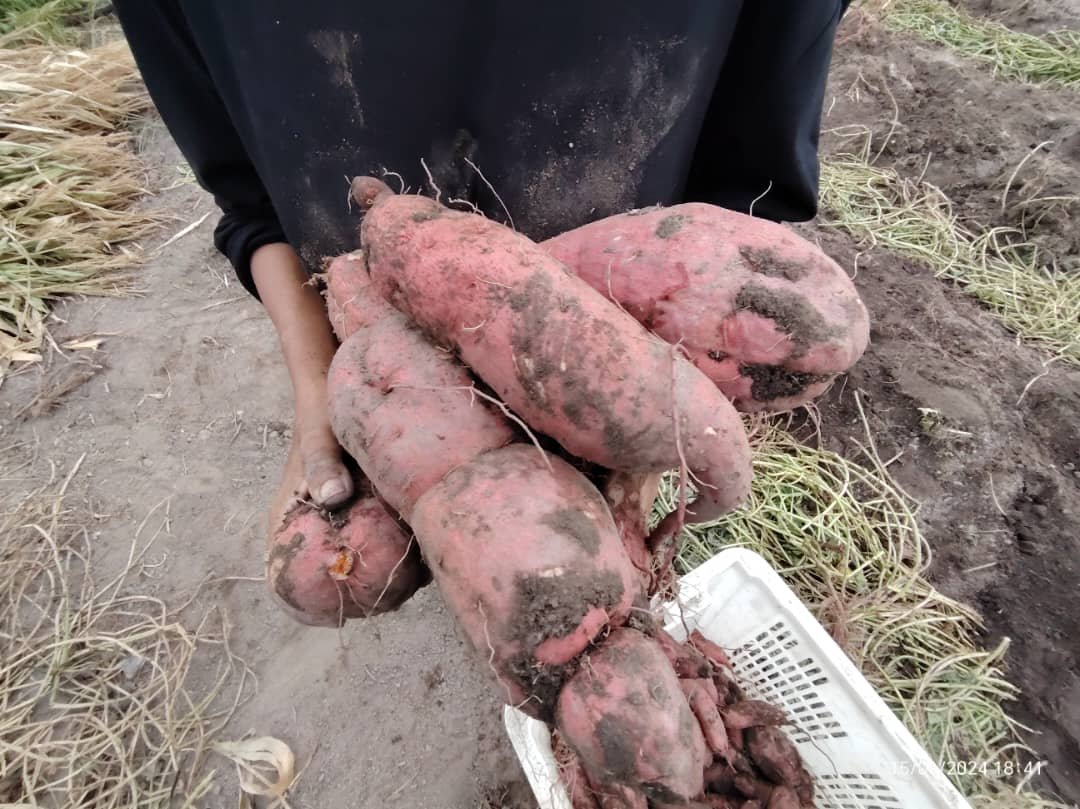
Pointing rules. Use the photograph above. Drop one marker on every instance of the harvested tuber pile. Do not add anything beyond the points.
(512, 406)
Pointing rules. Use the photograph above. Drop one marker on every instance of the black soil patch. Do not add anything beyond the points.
(554, 606)
(775, 382)
(283, 583)
(670, 225)
(766, 262)
(789, 311)
(571, 522)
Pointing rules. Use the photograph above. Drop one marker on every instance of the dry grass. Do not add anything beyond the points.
(1051, 58)
(100, 703)
(1033, 297)
(847, 540)
(68, 180)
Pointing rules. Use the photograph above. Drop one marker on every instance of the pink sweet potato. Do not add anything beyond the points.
(749, 713)
(783, 798)
(764, 313)
(687, 661)
(703, 704)
(350, 300)
(778, 759)
(361, 563)
(403, 409)
(626, 717)
(528, 560)
(569, 362)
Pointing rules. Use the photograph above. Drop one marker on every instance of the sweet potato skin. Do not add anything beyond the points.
(764, 313)
(351, 301)
(323, 572)
(529, 561)
(402, 408)
(625, 715)
(570, 363)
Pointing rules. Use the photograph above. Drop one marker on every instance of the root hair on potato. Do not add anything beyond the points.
(393, 572)
(495, 193)
(431, 181)
(491, 656)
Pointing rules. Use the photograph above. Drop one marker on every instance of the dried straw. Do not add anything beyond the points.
(845, 537)
(68, 180)
(106, 699)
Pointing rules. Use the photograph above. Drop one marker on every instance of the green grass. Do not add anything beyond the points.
(847, 540)
(1052, 58)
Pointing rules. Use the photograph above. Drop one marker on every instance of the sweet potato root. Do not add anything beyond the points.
(764, 313)
(570, 363)
(404, 410)
(750, 713)
(777, 757)
(325, 570)
(687, 661)
(626, 717)
(630, 498)
(528, 560)
(783, 798)
(703, 704)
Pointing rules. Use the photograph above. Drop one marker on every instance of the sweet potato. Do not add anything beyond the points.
(570, 363)
(783, 798)
(630, 498)
(685, 659)
(716, 655)
(528, 559)
(350, 300)
(778, 759)
(324, 570)
(626, 717)
(703, 704)
(764, 313)
(754, 788)
(404, 410)
(750, 713)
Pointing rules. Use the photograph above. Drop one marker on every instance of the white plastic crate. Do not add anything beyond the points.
(860, 754)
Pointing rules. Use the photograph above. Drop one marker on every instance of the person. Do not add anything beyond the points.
(547, 114)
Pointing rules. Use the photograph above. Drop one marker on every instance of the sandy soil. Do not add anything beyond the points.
(191, 407)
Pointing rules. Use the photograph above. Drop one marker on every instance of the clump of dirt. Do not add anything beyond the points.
(670, 225)
(791, 313)
(767, 263)
(549, 607)
(572, 522)
(774, 381)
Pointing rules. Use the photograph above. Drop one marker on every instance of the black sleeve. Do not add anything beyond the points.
(183, 91)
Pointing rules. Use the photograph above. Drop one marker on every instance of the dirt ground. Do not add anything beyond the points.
(191, 407)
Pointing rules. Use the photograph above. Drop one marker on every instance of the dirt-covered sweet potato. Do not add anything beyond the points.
(527, 558)
(778, 759)
(325, 569)
(701, 696)
(630, 498)
(626, 717)
(403, 409)
(766, 314)
(566, 360)
(350, 300)
(749, 713)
